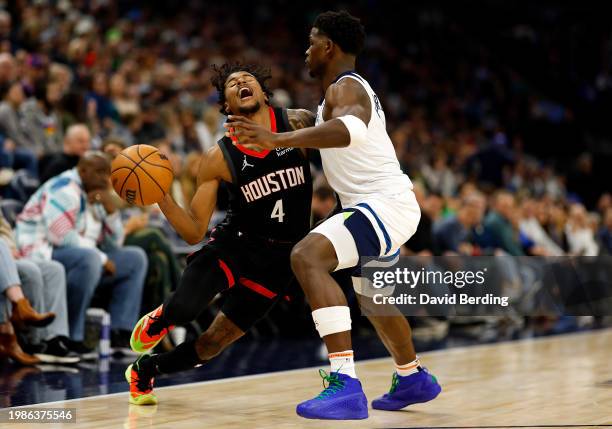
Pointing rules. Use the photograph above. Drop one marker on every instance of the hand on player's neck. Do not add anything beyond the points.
(261, 116)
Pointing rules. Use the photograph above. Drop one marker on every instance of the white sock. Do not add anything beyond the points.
(408, 368)
(343, 363)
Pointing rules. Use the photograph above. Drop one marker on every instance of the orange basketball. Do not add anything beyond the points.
(141, 175)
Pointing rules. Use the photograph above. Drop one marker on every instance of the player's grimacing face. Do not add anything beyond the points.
(243, 93)
(315, 54)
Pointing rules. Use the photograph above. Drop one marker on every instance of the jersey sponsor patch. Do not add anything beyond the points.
(280, 151)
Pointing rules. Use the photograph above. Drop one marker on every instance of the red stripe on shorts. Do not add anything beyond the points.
(256, 287)
(228, 273)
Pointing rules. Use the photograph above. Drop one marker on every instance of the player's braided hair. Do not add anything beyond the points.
(343, 29)
(221, 73)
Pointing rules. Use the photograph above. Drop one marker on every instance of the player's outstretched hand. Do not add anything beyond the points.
(249, 133)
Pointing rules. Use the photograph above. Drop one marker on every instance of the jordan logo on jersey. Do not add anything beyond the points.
(246, 164)
(273, 182)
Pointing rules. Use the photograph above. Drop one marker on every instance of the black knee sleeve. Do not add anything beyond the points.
(182, 358)
(201, 281)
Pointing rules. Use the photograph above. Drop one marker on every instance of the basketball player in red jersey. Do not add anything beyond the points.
(247, 255)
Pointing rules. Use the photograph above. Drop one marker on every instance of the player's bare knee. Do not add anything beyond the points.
(301, 259)
(311, 255)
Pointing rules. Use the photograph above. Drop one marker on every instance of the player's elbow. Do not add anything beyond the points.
(191, 240)
(194, 235)
(194, 238)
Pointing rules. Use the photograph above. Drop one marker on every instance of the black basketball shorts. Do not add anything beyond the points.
(256, 274)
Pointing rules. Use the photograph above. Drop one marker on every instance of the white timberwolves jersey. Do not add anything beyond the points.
(364, 170)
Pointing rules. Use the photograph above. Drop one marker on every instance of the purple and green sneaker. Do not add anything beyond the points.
(342, 399)
(412, 389)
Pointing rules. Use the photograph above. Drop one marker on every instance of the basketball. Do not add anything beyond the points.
(141, 175)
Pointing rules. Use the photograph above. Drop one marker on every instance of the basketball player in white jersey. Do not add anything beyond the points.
(379, 214)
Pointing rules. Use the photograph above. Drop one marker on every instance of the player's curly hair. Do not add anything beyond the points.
(221, 73)
(342, 28)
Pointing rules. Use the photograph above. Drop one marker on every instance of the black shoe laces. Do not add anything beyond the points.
(143, 382)
(158, 325)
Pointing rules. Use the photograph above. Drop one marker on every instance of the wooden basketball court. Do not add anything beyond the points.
(563, 381)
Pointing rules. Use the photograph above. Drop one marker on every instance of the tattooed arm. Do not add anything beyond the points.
(301, 118)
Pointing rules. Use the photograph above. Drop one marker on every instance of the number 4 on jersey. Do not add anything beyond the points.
(277, 211)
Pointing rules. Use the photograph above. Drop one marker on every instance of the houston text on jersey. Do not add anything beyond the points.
(273, 182)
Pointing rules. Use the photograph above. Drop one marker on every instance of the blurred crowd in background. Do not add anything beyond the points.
(497, 113)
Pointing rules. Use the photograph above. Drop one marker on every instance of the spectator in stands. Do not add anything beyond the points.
(76, 142)
(452, 233)
(189, 175)
(10, 289)
(164, 270)
(41, 118)
(580, 235)
(72, 219)
(433, 204)
(148, 126)
(499, 230)
(43, 283)
(16, 149)
(62, 75)
(188, 138)
(490, 162)
(604, 202)
(555, 227)
(98, 97)
(582, 181)
(22, 311)
(126, 104)
(9, 347)
(605, 232)
(421, 243)
(533, 219)
(439, 177)
(208, 128)
(323, 201)
(5, 27)
(7, 68)
(112, 147)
